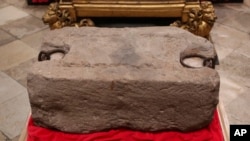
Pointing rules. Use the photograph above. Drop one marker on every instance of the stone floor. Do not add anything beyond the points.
(21, 32)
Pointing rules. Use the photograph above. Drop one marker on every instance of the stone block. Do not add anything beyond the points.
(131, 78)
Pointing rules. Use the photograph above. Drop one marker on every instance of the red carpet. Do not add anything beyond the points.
(211, 133)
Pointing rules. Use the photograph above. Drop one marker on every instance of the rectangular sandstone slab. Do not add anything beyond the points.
(123, 78)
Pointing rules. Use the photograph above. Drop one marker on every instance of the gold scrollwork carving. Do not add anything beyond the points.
(57, 18)
(200, 20)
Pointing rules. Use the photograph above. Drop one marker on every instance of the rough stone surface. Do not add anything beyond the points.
(2, 137)
(123, 78)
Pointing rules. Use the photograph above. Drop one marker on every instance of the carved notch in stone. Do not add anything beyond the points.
(46, 55)
(196, 56)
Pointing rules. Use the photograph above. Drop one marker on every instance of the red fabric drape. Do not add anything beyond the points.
(211, 133)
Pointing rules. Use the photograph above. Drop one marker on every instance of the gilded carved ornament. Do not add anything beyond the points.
(200, 20)
(57, 18)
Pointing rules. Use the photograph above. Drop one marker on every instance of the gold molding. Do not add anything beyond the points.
(196, 17)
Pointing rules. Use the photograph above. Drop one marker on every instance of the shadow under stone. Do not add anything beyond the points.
(132, 22)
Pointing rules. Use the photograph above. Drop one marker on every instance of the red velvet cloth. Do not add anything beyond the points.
(211, 133)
